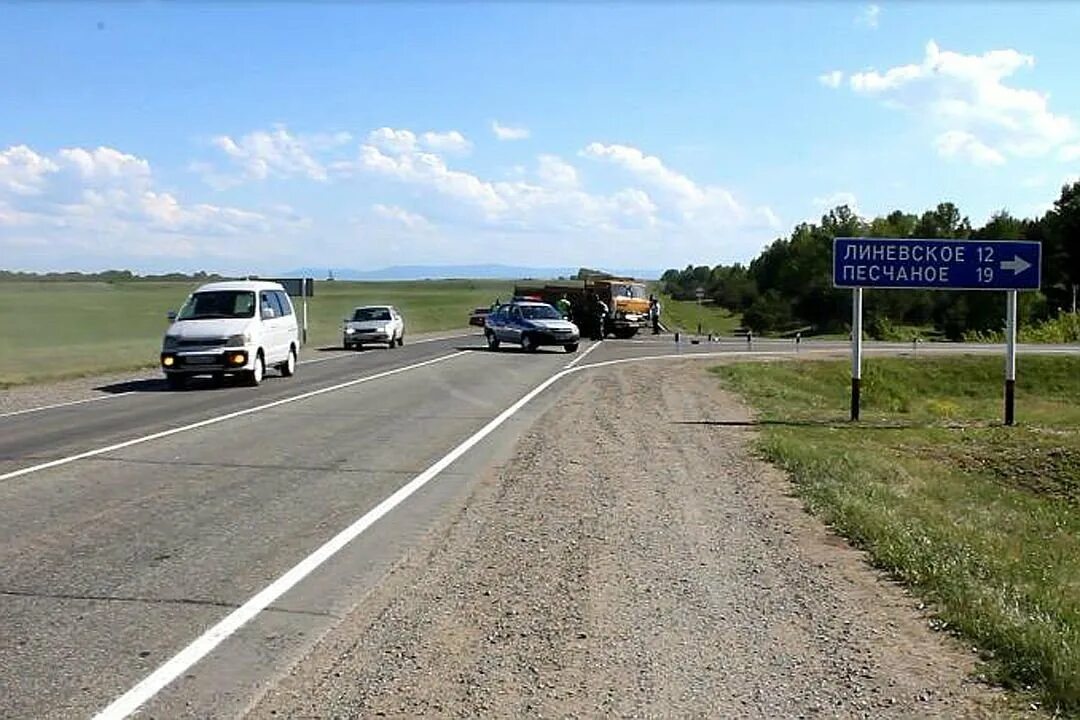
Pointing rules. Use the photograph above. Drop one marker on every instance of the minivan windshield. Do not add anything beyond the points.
(372, 313)
(218, 304)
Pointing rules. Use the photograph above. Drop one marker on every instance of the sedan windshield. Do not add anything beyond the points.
(378, 313)
(540, 312)
(218, 304)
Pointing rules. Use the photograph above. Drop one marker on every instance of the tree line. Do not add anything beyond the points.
(107, 276)
(788, 287)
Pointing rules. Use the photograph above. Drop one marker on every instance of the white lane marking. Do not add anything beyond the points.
(223, 418)
(180, 663)
(349, 353)
(582, 356)
(65, 404)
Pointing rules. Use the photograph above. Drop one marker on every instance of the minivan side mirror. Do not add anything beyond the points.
(171, 315)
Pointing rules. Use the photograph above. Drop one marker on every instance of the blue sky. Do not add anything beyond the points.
(258, 137)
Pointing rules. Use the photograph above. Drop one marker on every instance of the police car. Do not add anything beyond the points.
(531, 325)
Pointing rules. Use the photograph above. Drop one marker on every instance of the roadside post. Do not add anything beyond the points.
(856, 351)
(918, 264)
(700, 294)
(1010, 354)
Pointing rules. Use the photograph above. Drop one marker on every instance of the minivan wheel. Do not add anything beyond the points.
(288, 368)
(255, 376)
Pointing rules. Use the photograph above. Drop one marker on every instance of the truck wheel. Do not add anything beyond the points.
(571, 348)
(492, 341)
(176, 381)
(625, 333)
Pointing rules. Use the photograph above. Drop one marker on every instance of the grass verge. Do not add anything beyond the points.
(684, 316)
(981, 520)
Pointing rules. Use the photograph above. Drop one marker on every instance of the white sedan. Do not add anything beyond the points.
(373, 324)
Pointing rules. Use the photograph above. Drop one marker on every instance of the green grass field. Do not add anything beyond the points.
(52, 330)
(980, 519)
(685, 316)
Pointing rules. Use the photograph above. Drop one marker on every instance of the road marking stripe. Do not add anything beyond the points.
(582, 356)
(180, 663)
(64, 404)
(222, 418)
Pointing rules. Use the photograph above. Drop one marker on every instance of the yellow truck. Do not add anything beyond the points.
(627, 301)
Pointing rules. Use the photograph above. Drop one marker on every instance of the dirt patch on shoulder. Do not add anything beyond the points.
(635, 560)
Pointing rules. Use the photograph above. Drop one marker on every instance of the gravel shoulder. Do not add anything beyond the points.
(635, 560)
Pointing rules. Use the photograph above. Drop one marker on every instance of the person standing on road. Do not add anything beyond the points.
(654, 314)
(563, 306)
(601, 317)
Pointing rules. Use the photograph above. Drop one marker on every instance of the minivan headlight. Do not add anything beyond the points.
(239, 340)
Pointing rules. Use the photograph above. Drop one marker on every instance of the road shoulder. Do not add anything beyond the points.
(634, 558)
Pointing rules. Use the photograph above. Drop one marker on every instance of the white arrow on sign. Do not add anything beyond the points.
(1017, 264)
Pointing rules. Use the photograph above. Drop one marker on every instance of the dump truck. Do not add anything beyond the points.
(627, 301)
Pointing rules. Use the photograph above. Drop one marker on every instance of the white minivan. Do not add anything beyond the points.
(239, 327)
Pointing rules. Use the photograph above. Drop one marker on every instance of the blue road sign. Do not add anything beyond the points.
(936, 264)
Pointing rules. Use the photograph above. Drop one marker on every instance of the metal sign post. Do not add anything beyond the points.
(699, 293)
(918, 264)
(856, 351)
(1010, 354)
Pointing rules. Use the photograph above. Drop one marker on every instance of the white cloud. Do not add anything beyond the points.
(434, 206)
(431, 170)
(869, 17)
(102, 202)
(505, 132)
(451, 141)
(978, 115)
(702, 206)
(1069, 153)
(957, 143)
(105, 165)
(276, 153)
(391, 140)
(23, 171)
(832, 79)
(556, 172)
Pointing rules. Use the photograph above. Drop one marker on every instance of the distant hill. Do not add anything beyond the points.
(446, 272)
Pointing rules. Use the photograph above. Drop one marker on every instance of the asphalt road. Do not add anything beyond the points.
(131, 525)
